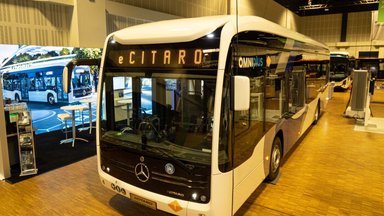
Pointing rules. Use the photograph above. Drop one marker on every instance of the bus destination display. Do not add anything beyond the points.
(164, 58)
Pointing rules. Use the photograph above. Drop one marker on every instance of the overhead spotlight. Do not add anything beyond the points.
(367, 2)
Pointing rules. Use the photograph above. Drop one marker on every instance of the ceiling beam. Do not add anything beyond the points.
(62, 2)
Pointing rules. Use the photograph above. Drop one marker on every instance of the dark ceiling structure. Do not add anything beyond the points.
(322, 7)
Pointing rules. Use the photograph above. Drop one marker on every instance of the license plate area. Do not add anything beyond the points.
(143, 201)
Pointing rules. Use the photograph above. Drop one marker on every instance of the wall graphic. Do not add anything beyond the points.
(33, 75)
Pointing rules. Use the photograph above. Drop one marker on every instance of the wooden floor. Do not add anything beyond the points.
(333, 171)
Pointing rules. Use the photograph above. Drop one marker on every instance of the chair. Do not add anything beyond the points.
(64, 117)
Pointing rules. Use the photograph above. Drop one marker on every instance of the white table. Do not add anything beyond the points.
(73, 108)
(127, 102)
(256, 113)
(89, 101)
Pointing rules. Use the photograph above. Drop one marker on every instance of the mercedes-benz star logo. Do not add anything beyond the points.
(169, 168)
(142, 172)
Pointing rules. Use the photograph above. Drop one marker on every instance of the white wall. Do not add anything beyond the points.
(30, 22)
(267, 9)
(327, 29)
(143, 11)
(181, 8)
(88, 24)
(322, 28)
(78, 23)
(120, 16)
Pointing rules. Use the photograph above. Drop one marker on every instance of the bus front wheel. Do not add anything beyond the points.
(275, 159)
(317, 114)
(51, 99)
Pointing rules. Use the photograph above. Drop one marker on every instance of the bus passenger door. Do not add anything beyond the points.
(24, 87)
(60, 92)
(296, 108)
(37, 88)
(248, 150)
(32, 87)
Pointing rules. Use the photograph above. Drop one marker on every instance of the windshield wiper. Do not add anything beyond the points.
(118, 139)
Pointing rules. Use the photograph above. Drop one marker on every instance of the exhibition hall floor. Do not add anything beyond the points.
(334, 170)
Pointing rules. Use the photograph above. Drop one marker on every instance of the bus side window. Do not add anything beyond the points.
(16, 83)
(8, 83)
(274, 98)
(49, 82)
(39, 83)
(32, 85)
(297, 90)
(74, 82)
(241, 121)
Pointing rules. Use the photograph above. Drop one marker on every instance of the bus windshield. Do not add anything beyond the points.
(339, 67)
(164, 114)
(81, 78)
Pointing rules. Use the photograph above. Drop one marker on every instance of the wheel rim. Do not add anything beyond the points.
(275, 158)
(51, 99)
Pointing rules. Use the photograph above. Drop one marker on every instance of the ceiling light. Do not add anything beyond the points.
(312, 7)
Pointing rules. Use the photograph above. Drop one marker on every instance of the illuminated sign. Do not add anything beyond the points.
(179, 58)
(163, 57)
(251, 62)
(251, 65)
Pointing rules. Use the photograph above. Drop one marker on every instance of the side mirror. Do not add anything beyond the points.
(241, 93)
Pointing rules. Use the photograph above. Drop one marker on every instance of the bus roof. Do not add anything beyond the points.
(40, 63)
(340, 54)
(189, 29)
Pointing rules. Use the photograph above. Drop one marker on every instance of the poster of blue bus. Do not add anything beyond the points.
(33, 74)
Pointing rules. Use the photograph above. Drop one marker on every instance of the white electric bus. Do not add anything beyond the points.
(41, 81)
(341, 66)
(194, 114)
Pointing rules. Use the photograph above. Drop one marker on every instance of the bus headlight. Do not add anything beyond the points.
(194, 196)
(200, 198)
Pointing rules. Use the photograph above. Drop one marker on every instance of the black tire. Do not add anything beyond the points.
(50, 99)
(275, 159)
(317, 114)
(17, 98)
